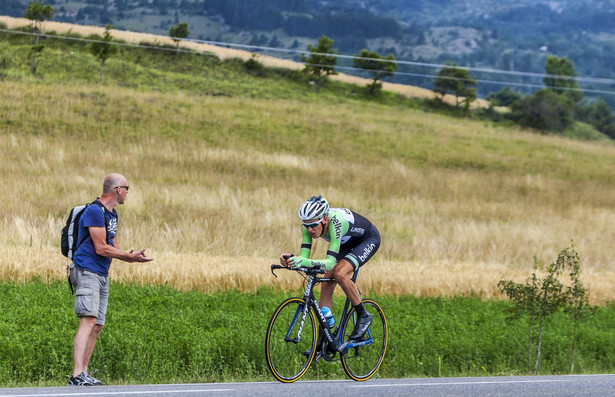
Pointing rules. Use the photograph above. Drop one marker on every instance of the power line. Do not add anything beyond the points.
(342, 56)
(411, 63)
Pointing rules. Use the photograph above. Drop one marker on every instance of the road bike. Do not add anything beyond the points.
(291, 339)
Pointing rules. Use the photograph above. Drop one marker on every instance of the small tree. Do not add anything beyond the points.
(455, 80)
(560, 78)
(545, 111)
(537, 298)
(577, 304)
(38, 12)
(379, 67)
(524, 298)
(35, 53)
(179, 32)
(103, 49)
(320, 65)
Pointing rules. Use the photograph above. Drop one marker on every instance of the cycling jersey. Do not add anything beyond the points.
(350, 236)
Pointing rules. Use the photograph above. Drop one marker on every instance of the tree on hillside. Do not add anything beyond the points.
(179, 32)
(379, 67)
(544, 111)
(598, 114)
(103, 49)
(37, 12)
(457, 81)
(320, 64)
(504, 97)
(561, 76)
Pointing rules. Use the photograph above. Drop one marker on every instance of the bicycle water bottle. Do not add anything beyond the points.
(328, 316)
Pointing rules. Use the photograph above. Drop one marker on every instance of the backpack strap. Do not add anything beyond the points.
(102, 207)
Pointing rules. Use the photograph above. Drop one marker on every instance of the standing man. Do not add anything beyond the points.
(353, 240)
(97, 246)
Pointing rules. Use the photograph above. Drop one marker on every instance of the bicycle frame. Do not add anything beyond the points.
(335, 338)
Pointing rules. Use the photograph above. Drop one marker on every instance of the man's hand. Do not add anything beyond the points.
(139, 256)
(284, 259)
(295, 262)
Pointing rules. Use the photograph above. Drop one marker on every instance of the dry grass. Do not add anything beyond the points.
(215, 184)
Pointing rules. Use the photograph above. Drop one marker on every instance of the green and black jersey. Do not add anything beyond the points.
(350, 236)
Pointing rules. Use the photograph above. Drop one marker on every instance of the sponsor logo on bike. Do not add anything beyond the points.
(367, 251)
(359, 230)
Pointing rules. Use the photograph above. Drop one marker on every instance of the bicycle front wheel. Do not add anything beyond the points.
(363, 358)
(291, 340)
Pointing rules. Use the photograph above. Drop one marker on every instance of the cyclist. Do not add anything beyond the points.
(353, 240)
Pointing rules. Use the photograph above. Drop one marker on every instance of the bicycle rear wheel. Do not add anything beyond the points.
(290, 341)
(363, 360)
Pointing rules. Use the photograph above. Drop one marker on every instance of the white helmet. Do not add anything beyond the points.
(316, 207)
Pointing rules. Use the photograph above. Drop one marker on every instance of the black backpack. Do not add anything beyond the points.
(70, 232)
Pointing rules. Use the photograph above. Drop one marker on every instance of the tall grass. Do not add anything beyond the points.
(216, 181)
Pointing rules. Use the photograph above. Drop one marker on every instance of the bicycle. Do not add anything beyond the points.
(290, 342)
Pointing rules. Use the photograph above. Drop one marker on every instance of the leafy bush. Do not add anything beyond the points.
(544, 111)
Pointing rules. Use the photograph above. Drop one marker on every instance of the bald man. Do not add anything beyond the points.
(96, 247)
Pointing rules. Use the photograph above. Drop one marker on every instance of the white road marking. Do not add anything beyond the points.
(462, 383)
(111, 393)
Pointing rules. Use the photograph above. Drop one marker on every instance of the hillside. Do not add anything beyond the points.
(507, 36)
(222, 52)
(219, 158)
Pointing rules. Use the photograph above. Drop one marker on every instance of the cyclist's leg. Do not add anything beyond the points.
(326, 291)
(342, 272)
(326, 299)
(356, 258)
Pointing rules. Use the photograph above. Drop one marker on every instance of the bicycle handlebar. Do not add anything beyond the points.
(308, 270)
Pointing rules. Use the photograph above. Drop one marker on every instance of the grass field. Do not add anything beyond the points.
(219, 161)
(216, 182)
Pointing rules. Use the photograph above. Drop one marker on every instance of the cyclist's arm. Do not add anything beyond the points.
(306, 244)
(334, 245)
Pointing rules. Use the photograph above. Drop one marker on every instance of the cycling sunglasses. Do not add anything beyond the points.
(312, 225)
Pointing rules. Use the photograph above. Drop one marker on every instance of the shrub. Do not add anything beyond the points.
(544, 111)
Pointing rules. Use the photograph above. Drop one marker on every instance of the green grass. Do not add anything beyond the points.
(155, 334)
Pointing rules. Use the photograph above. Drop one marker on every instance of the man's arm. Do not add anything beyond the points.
(99, 239)
(306, 247)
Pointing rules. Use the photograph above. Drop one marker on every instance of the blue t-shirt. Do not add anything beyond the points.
(86, 257)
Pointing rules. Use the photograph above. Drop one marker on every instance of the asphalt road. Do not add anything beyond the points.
(534, 386)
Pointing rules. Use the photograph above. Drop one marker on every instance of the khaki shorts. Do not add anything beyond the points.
(91, 293)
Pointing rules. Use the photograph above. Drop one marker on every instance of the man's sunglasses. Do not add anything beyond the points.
(125, 187)
(312, 225)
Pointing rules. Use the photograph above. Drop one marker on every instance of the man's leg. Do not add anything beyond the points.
(343, 275)
(91, 297)
(91, 344)
(342, 272)
(326, 291)
(83, 345)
